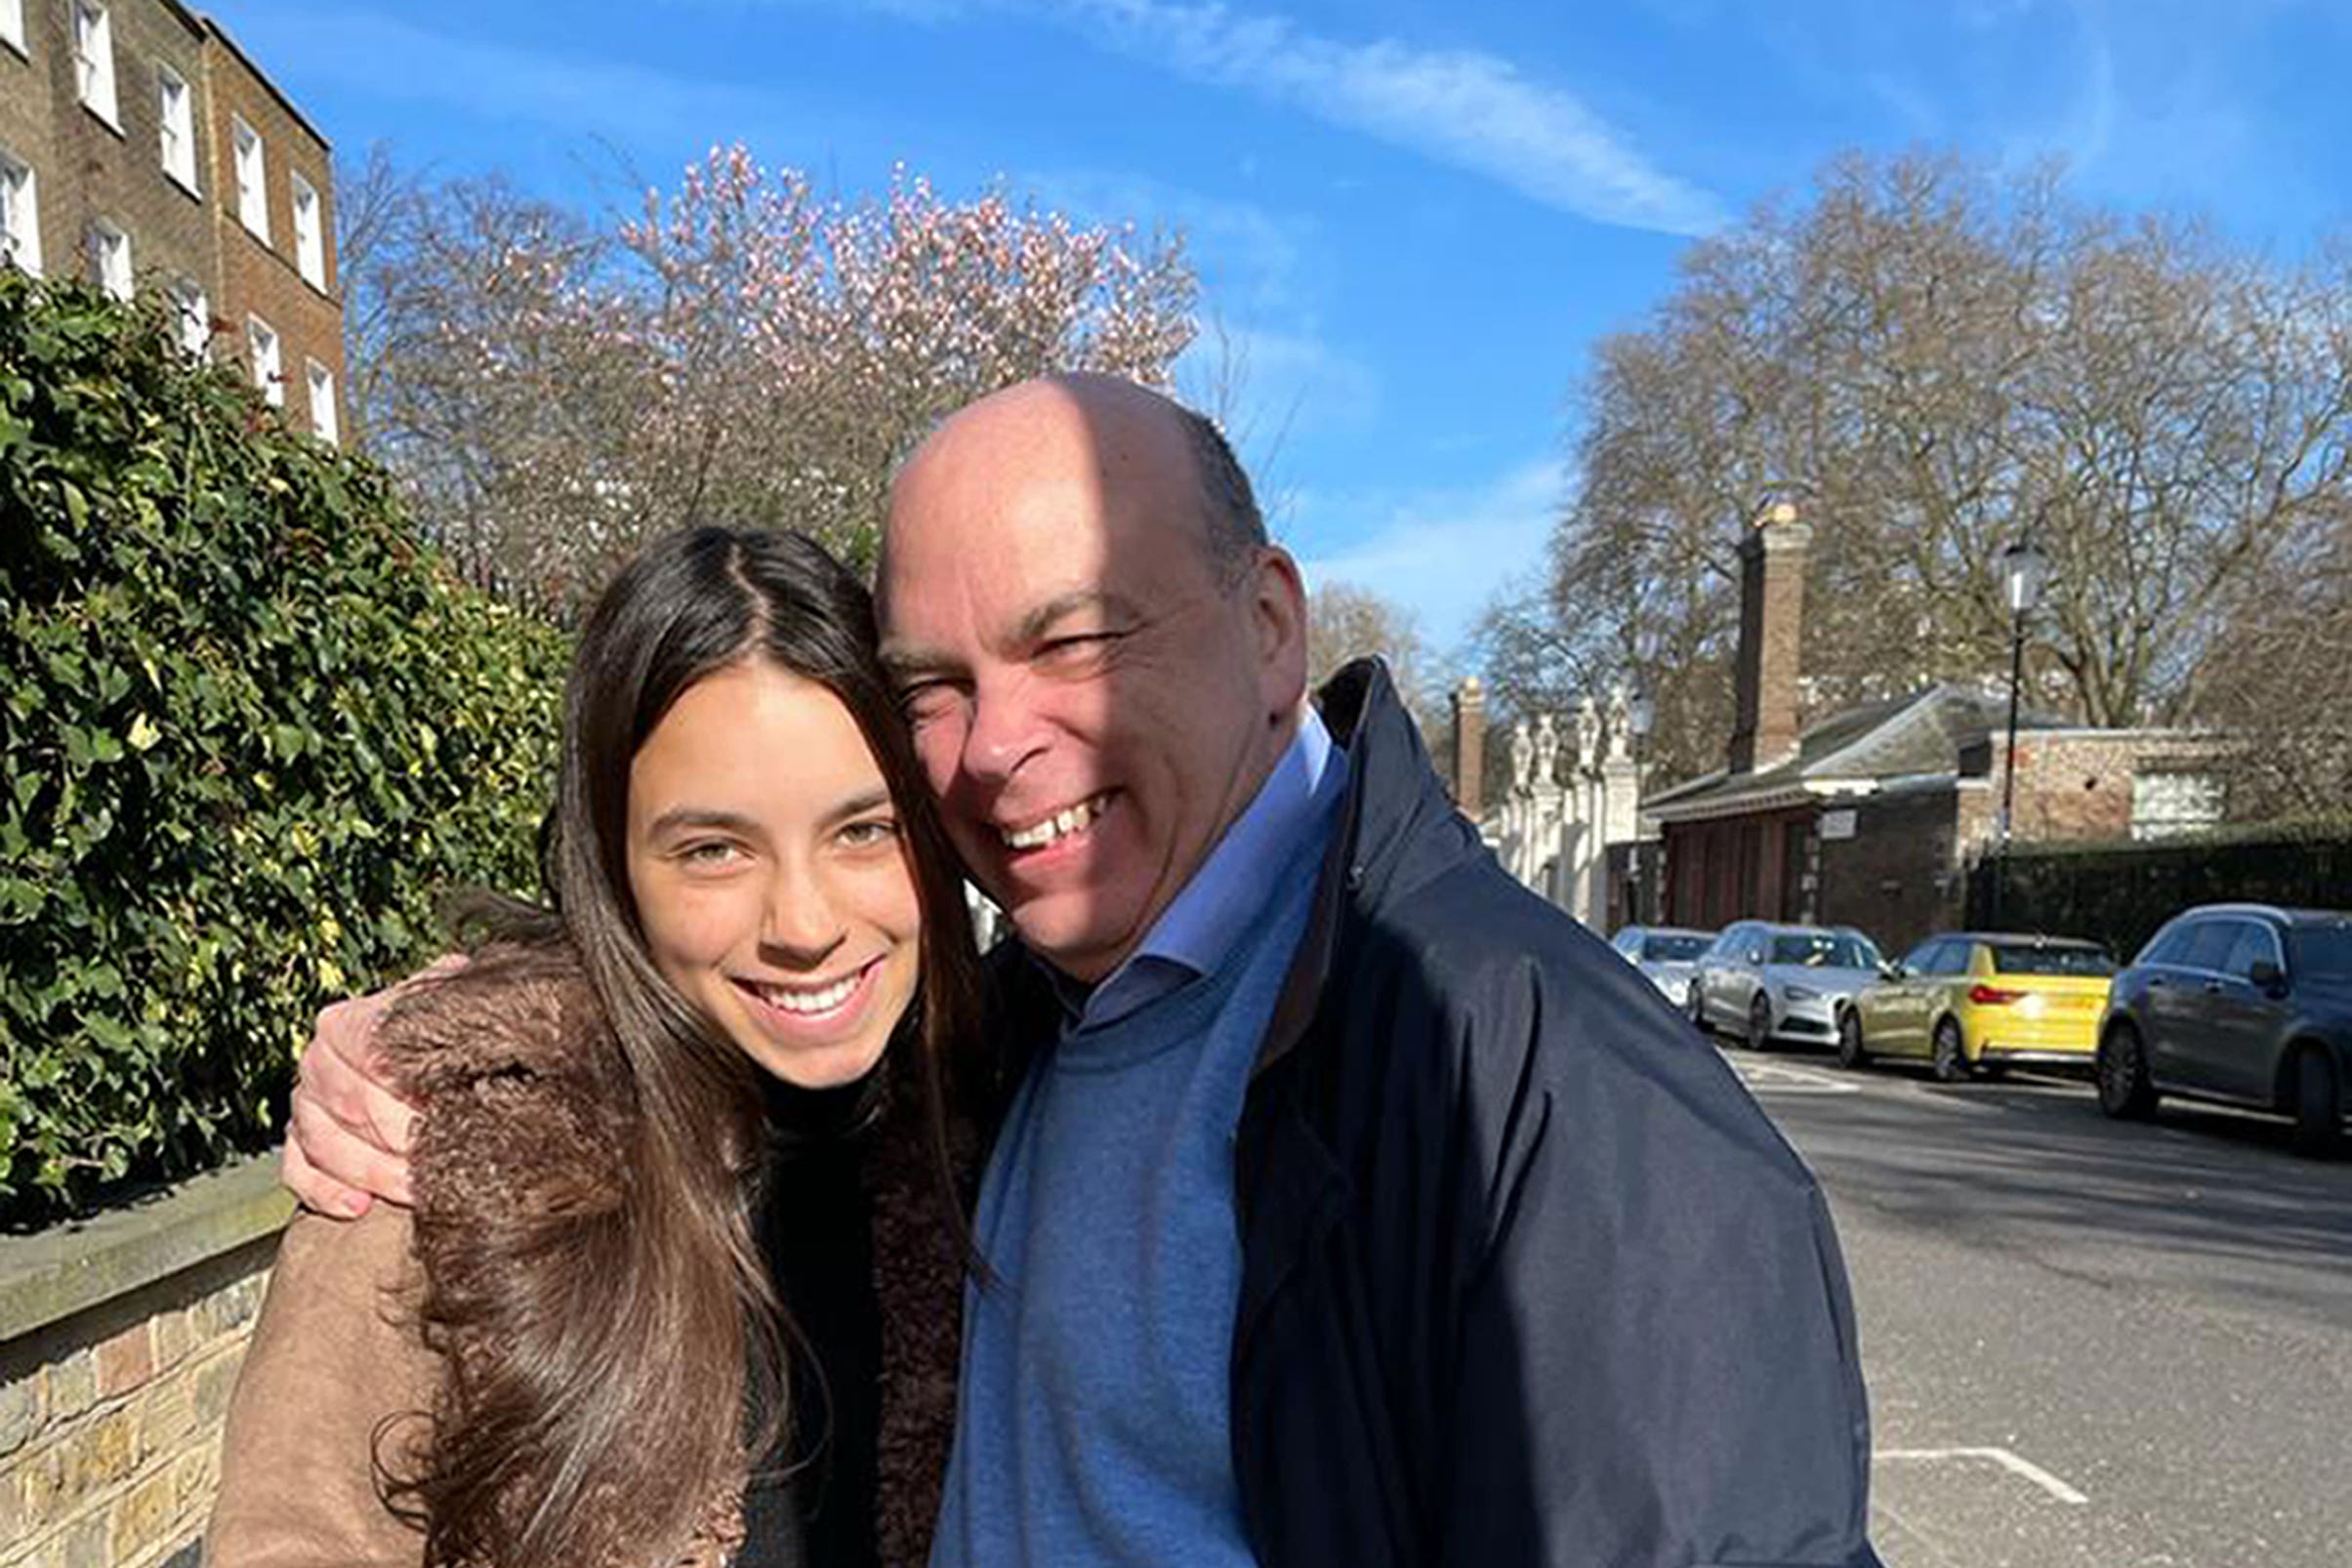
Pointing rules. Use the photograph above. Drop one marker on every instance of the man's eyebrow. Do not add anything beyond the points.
(1041, 620)
(904, 664)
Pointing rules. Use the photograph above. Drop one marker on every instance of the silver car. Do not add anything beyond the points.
(1666, 955)
(1766, 982)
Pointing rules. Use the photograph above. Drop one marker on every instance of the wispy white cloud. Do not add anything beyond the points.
(1441, 554)
(1467, 107)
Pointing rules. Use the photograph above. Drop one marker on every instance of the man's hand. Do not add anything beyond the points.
(347, 1136)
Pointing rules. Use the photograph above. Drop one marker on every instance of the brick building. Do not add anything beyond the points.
(142, 148)
(1869, 816)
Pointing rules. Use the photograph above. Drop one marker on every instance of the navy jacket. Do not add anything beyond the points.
(1527, 1277)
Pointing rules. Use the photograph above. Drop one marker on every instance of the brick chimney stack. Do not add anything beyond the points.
(1772, 614)
(1469, 747)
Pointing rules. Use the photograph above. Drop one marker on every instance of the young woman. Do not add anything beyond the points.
(681, 1281)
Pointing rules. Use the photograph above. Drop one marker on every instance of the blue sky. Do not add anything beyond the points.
(1411, 221)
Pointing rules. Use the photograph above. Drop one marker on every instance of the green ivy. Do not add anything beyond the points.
(251, 731)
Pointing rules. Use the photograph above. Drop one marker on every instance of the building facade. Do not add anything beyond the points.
(142, 148)
(1872, 815)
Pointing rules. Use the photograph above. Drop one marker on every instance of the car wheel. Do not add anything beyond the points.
(1951, 1058)
(2126, 1092)
(1851, 1053)
(1759, 1022)
(2319, 1114)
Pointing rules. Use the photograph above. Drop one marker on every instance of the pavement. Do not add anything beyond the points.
(2087, 1342)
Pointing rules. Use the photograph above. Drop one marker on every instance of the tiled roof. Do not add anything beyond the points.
(1917, 735)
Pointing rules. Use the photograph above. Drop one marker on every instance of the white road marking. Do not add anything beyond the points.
(1773, 1078)
(2024, 1468)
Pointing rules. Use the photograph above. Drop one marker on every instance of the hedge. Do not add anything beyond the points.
(2121, 894)
(251, 731)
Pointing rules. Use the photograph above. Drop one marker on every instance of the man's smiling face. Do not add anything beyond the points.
(1095, 696)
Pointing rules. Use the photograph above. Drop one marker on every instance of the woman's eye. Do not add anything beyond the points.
(710, 852)
(868, 833)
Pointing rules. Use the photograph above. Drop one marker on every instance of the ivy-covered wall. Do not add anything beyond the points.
(251, 731)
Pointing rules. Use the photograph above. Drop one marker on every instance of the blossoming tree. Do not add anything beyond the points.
(746, 350)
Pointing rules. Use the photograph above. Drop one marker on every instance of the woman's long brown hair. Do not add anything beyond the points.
(601, 1356)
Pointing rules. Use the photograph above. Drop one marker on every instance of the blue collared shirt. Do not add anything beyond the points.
(1198, 928)
(1093, 1427)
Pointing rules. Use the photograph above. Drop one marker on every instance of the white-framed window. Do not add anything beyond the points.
(267, 372)
(253, 179)
(110, 258)
(309, 241)
(175, 125)
(19, 215)
(321, 381)
(93, 59)
(12, 26)
(194, 315)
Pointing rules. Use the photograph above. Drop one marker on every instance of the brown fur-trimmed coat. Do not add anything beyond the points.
(338, 1372)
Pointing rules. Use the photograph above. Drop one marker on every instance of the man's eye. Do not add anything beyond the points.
(1077, 648)
(922, 703)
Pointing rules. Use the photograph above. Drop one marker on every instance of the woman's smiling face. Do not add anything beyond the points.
(770, 874)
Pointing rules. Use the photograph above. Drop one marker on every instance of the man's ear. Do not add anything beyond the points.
(1278, 617)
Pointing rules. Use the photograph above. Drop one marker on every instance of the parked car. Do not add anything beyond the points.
(2243, 1004)
(1770, 983)
(1666, 955)
(1972, 1001)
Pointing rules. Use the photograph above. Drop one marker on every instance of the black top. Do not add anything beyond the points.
(812, 1505)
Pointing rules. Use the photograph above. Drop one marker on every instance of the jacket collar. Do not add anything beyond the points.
(1397, 831)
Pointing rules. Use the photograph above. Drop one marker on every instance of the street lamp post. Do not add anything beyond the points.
(2022, 570)
(1642, 712)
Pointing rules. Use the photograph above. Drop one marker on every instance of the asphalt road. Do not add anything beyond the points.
(2087, 1342)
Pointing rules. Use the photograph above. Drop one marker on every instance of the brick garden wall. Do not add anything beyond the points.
(110, 1414)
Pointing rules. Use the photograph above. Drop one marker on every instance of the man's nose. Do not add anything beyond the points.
(1005, 728)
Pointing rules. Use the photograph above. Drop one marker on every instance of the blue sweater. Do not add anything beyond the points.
(1094, 1425)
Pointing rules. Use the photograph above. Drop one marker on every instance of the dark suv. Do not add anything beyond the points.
(2245, 1004)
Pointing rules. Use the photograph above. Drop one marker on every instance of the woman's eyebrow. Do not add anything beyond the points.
(700, 817)
(861, 804)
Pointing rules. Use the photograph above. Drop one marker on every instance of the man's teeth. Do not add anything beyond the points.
(1059, 825)
(824, 1001)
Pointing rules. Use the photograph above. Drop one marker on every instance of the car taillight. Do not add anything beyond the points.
(1988, 996)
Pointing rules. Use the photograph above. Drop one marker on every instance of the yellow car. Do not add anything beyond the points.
(1979, 1001)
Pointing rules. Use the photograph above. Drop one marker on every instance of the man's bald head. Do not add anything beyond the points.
(1126, 416)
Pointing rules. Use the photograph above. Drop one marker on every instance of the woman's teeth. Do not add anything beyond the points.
(824, 1001)
(1059, 825)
